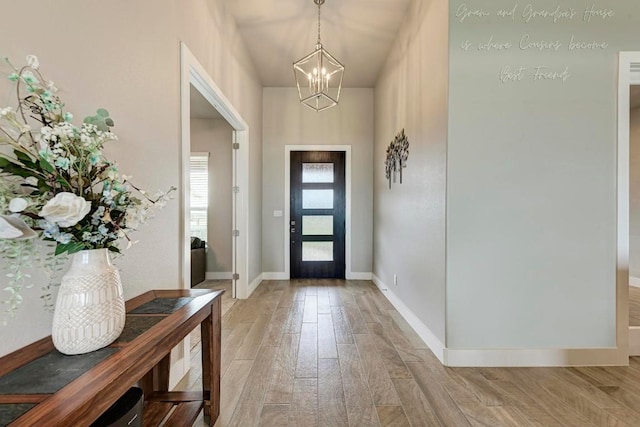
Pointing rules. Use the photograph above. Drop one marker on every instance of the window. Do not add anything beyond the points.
(199, 175)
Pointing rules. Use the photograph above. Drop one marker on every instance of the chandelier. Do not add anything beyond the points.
(319, 76)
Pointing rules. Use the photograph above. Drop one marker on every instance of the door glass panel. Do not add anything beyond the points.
(317, 172)
(317, 251)
(317, 225)
(317, 199)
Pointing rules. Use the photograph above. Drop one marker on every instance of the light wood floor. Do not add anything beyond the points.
(634, 306)
(336, 353)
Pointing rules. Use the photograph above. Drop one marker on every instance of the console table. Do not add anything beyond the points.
(41, 387)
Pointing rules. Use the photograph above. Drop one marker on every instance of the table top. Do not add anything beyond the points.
(40, 385)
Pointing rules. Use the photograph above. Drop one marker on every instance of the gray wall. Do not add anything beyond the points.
(287, 122)
(634, 194)
(127, 60)
(531, 212)
(215, 137)
(409, 226)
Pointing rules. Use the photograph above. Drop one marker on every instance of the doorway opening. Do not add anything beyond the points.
(627, 335)
(193, 76)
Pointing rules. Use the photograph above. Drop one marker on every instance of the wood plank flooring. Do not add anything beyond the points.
(336, 353)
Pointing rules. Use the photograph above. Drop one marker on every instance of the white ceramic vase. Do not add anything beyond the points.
(90, 311)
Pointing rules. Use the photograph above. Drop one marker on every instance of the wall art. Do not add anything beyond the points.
(397, 156)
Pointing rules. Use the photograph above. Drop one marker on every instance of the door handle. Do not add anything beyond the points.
(293, 230)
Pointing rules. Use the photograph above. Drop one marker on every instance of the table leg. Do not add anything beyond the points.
(211, 349)
(161, 374)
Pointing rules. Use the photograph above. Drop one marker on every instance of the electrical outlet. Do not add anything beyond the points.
(395, 280)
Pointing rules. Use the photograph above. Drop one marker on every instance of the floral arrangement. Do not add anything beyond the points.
(56, 186)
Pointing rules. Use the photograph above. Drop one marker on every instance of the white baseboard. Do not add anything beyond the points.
(429, 338)
(634, 281)
(254, 284)
(359, 276)
(506, 357)
(535, 357)
(218, 275)
(279, 275)
(634, 341)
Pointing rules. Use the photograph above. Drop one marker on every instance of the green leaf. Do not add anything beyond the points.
(60, 180)
(24, 158)
(75, 247)
(101, 120)
(46, 166)
(71, 248)
(18, 170)
(62, 248)
(43, 187)
(113, 249)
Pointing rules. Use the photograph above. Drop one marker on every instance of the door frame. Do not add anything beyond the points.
(628, 337)
(287, 202)
(193, 73)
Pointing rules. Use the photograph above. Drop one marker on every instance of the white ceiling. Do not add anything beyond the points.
(358, 33)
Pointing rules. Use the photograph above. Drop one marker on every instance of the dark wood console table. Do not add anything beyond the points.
(41, 387)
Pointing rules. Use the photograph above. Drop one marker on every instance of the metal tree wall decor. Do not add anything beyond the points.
(397, 156)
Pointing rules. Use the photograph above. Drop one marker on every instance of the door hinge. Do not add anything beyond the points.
(236, 190)
(236, 276)
(236, 145)
(236, 233)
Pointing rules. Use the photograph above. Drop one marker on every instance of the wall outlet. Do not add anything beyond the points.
(277, 214)
(395, 280)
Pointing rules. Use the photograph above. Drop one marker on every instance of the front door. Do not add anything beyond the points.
(317, 224)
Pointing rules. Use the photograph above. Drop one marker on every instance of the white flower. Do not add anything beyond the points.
(65, 209)
(5, 111)
(32, 61)
(12, 227)
(18, 204)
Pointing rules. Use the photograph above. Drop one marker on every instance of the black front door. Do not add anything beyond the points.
(317, 224)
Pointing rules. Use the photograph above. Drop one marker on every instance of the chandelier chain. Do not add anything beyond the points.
(319, 4)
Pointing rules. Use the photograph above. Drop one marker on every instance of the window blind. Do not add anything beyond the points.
(199, 201)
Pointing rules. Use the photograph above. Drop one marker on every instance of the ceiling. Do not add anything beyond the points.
(358, 33)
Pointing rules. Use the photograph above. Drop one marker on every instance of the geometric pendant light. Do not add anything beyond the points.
(319, 76)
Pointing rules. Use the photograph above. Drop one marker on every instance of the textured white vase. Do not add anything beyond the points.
(90, 311)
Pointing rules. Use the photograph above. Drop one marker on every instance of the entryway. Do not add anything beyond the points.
(317, 214)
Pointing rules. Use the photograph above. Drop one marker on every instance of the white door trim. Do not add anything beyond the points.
(193, 73)
(287, 202)
(629, 74)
